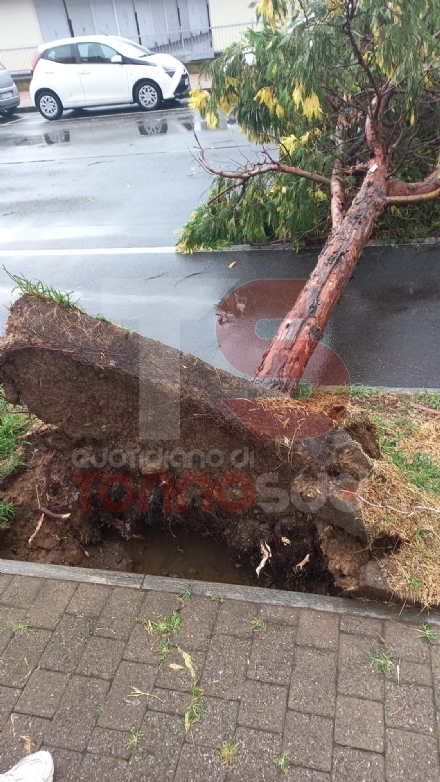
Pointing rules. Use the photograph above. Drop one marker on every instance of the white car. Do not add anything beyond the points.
(102, 70)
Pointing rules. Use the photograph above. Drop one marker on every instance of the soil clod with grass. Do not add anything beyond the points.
(120, 433)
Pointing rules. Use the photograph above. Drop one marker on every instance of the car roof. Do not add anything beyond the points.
(87, 38)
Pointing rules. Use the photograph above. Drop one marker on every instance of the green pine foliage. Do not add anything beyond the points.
(308, 68)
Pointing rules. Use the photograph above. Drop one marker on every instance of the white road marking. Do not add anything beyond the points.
(88, 251)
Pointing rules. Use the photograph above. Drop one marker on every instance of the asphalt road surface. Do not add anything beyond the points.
(91, 204)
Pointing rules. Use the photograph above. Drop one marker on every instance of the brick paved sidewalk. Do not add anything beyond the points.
(279, 681)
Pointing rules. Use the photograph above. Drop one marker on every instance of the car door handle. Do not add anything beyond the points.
(48, 72)
(85, 73)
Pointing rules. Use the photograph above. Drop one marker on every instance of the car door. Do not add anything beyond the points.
(104, 82)
(58, 70)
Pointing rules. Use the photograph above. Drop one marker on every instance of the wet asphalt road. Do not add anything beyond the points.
(91, 204)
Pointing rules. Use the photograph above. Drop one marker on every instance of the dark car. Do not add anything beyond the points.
(9, 94)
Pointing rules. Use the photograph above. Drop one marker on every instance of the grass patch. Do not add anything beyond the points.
(135, 735)
(100, 707)
(165, 625)
(257, 624)
(383, 661)
(217, 599)
(38, 288)
(13, 424)
(187, 593)
(427, 633)
(282, 763)
(22, 626)
(165, 647)
(7, 511)
(227, 752)
(194, 711)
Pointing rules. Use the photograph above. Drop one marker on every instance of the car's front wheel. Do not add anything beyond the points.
(148, 96)
(49, 105)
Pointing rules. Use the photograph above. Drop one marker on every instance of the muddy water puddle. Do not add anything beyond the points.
(186, 554)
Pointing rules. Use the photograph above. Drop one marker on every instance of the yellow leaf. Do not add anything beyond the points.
(231, 265)
(212, 120)
(279, 111)
(320, 195)
(297, 96)
(198, 99)
(412, 118)
(311, 107)
(187, 659)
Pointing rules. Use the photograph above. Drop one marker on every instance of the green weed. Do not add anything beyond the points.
(162, 626)
(12, 425)
(165, 647)
(7, 511)
(427, 633)
(38, 288)
(217, 599)
(383, 661)
(100, 707)
(257, 624)
(282, 763)
(194, 711)
(134, 740)
(21, 626)
(227, 752)
(187, 593)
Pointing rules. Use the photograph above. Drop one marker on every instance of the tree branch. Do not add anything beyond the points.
(413, 199)
(275, 165)
(338, 181)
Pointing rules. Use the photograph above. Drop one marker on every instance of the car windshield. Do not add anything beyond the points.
(131, 49)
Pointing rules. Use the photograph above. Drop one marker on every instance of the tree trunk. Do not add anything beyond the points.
(284, 363)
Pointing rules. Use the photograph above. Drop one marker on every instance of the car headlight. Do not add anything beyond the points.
(169, 71)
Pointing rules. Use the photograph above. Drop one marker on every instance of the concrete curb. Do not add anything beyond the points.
(276, 597)
(25, 109)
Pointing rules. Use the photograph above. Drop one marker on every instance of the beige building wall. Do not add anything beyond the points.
(233, 17)
(19, 29)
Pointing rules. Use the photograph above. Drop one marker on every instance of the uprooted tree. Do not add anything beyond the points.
(344, 98)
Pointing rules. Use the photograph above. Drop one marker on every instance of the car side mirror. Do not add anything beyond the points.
(116, 58)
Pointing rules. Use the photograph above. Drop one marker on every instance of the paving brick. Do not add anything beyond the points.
(288, 617)
(112, 743)
(14, 738)
(255, 757)
(21, 591)
(199, 764)
(360, 681)
(313, 682)
(361, 625)
(319, 629)
(89, 600)
(199, 616)
(42, 693)
(4, 582)
(308, 740)
(405, 642)
(8, 618)
(75, 718)
(66, 762)
(409, 706)
(67, 644)
(415, 673)
(168, 701)
(102, 768)
(272, 655)
(234, 618)
(117, 618)
(141, 646)
(50, 604)
(217, 723)
(155, 759)
(411, 756)
(156, 604)
(263, 706)
(179, 679)
(123, 712)
(435, 666)
(226, 666)
(359, 724)
(354, 765)
(21, 656)
(356, 648)
(101, 657)
(8, 697)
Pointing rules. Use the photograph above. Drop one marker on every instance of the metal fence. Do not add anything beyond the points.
(186, 45)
